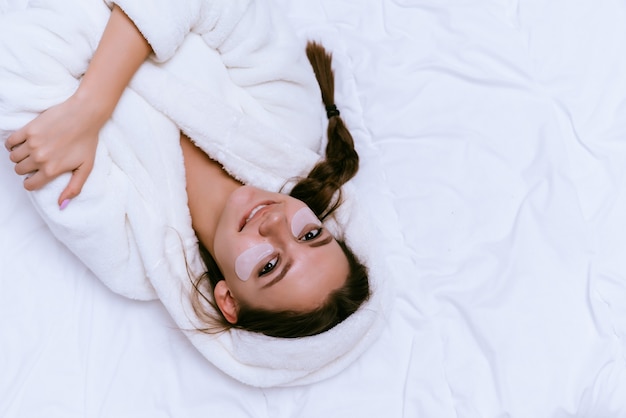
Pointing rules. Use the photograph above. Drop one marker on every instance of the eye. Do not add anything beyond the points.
(268, 267)
(312, 234)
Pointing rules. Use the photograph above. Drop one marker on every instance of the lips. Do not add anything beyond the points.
(253, 212)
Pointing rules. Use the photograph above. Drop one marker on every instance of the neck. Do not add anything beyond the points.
(208, 188)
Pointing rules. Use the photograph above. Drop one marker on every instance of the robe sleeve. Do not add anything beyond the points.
(258, 47)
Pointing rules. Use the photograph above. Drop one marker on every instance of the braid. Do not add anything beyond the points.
(318, 189)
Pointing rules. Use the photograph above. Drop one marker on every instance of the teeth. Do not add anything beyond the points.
(254, 211)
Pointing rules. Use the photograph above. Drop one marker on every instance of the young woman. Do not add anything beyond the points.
(272, 266)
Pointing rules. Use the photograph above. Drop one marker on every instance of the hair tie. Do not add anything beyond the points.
(331, 111)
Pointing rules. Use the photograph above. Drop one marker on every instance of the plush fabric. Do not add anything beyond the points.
(230, 75)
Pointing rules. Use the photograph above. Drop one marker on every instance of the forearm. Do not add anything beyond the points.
(122, 49)
(64, 138)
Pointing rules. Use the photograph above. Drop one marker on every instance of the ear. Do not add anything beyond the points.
(225, 301)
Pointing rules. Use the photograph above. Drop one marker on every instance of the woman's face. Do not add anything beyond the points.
(275, 254)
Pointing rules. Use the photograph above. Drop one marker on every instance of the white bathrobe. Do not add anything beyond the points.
(232, 76)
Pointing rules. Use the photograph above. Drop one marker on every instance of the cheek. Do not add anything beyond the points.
(225, 251)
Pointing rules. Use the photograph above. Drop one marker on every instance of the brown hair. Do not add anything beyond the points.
(321, 191)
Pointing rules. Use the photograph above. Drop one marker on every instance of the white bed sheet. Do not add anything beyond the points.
(493, 139)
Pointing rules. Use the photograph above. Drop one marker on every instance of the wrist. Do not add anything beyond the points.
(94, 104)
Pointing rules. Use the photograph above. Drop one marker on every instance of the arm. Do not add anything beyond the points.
(121, 51)
(64, 138)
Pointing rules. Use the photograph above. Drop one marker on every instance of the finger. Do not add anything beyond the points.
(35, 181)
(75, 185)
(26, 166)
(19, 153)
(15, 139)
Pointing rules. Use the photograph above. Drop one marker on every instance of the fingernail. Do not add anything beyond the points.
(64, 204)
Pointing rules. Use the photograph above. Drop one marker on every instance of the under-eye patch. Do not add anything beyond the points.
(301, 219)
(250, 258)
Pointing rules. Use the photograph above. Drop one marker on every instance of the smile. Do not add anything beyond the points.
(253, 213)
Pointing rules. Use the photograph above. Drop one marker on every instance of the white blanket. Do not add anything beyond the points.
(233, 78)
(492, 143)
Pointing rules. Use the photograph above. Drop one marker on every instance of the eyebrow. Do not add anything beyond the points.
(278, 278)
(325, 241)
(285, 270)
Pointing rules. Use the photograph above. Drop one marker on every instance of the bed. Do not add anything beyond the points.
(493, 144)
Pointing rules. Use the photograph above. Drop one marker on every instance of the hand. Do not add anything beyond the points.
(62, 139)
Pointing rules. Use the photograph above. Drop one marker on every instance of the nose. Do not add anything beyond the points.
(273, 222)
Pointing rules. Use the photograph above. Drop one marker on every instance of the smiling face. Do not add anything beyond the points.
(274, 254)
